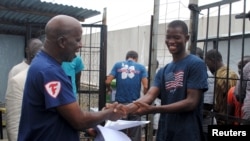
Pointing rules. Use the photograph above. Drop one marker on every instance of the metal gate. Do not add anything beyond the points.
(217, 31)
(93, 53)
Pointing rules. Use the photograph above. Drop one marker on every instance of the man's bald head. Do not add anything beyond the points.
(34, 42)
(63, 37)
(61, 25)
(34, 45)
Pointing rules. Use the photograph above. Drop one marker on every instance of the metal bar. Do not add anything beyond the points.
(194, 27)
(90, 44)
(225, 38)
(103, 67)
(153, 56)
(88, 92)
(91, 25)
(228, 52)
(207, 28)
(243, 15)
(216, 4)
(149, 116)
(243, 49)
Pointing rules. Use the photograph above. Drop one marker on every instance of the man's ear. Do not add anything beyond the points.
(60, 41)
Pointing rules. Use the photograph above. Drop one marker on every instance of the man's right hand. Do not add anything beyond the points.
(118, 111)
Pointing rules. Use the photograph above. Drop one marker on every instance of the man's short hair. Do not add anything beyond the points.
(214, 55)
(179, 23)
(243, 62)
(132, 54)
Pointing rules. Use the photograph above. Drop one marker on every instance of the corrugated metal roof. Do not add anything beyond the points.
(15, 15)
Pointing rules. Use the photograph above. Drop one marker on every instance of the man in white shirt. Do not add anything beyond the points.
(15, 87)
(29, 56)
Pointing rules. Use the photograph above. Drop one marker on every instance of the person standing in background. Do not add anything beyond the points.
(129, 76)
(243, 93)
(73, 70)
(233, 105)
(240, 93)
(25, 63)
(225, 78)
(14, 93)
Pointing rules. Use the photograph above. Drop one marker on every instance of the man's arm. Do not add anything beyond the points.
(145, 85)
(80, 120)
(78, 80)
(78, 69)
(108, 82)
(185, 105)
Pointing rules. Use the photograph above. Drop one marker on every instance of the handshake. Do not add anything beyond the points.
(119, 111)
(115, 111)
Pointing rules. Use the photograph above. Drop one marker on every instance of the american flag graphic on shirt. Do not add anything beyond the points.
(174, 80)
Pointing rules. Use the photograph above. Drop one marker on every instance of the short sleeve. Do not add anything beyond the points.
(57, 87)
(197, 76)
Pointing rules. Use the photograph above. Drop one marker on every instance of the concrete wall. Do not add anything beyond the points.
(137, 38)
(11, 53)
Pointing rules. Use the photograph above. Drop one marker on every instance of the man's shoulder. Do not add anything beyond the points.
(120, 62)
(19, 79)
(19, 65)
(189, 60)
(195, 58)
(17, 68)
(48, 66)
(246, 68)
(21, 75)
(139, 64)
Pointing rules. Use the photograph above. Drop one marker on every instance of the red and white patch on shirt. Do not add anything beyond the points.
(53, 88)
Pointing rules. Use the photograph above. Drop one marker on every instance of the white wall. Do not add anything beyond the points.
(137, 38)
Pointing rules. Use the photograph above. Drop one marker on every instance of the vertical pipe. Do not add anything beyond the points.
(193, 25)
(207, 29)
(103, 62)
(152, 62)
(104, 16)
(242, 50)
(103, 67)
(229, 49)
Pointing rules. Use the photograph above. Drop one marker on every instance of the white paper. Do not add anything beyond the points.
(107, 134)
(110, 132)
(123, 124)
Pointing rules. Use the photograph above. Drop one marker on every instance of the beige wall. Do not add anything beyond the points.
(137, 38)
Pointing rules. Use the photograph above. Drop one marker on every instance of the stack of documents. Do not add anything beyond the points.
(111, 130)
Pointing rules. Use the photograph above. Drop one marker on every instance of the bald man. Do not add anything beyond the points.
(50, 110)
(29, 50)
